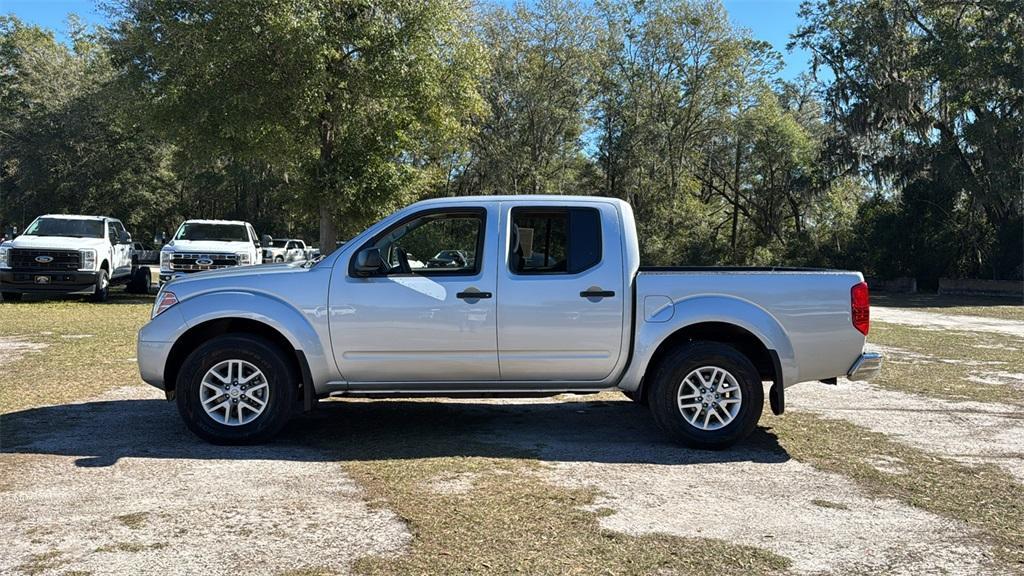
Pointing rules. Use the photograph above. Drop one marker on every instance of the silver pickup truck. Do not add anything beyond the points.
(549, 299)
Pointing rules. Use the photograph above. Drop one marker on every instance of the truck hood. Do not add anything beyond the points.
(57, 243)
(208, 246)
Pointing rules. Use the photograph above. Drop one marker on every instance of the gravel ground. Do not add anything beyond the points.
(120, 487)
(971, 432)
(947, 321)
(753, 494)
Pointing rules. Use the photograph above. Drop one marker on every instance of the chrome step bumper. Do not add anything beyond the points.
(867, 367)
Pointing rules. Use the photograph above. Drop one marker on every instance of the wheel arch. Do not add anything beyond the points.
(203, 332)
(725, 319)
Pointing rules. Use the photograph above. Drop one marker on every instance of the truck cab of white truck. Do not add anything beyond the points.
(200, 245)
(66, 254)
(546, 297)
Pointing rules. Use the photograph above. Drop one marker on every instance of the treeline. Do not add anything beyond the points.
(900, 153)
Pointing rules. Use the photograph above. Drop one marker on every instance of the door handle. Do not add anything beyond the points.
(597, 293)
(473, 295)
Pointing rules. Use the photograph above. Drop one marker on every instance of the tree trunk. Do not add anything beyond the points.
(328, 230)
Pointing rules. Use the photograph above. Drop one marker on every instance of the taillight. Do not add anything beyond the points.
(167, 299)
(860, 307)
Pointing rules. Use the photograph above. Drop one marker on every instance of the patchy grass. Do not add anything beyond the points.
(40, 563)
(829, 504)
(135, 520)
(985, 498)
(940, 365)
(90, 348)
(1005, 308)
(513, 521)
(130, 547)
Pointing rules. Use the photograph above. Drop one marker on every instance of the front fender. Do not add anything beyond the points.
(657, 325)
(268, 310)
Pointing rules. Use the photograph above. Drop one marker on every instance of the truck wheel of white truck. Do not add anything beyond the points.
(236, 389)
(706, 395)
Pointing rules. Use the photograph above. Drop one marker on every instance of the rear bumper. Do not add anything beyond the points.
(867, 367)
(57, 281)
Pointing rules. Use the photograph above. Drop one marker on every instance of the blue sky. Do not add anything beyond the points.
(770, 20)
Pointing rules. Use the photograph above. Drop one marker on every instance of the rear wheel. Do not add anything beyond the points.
(706, 395)
(279, 259)
(236, 389)
(11, 296)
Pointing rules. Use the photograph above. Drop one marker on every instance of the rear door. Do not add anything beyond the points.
(561, 293)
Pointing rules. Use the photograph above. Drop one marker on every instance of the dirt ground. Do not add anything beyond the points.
(114, 484)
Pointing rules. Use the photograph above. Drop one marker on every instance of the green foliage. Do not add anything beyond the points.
(306, 115)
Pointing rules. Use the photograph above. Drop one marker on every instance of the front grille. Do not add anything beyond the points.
(42, 259)
(190, 262)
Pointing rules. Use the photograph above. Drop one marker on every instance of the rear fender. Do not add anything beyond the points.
(656, 326)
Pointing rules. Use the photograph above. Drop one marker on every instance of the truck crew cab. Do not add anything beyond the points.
(66, 254)
(547, 298)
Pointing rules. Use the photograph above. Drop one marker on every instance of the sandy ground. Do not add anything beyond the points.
(13, 348)
(196, 508)
(967, 431)
(118, 486)
(937, 321)
(753, 494)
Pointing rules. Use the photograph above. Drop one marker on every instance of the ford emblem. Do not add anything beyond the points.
(44, 259)
(204, 262)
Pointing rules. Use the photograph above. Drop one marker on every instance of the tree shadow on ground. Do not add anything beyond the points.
(100, 433)
(893, 300)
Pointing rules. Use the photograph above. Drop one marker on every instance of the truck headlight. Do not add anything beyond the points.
(5, 257)
(165, 260)
(243, 258)
(164, 300)
(88, 259)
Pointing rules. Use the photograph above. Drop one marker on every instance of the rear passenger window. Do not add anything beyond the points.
(554, 240)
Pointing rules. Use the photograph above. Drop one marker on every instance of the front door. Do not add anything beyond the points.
(419, 318)
(561, 293)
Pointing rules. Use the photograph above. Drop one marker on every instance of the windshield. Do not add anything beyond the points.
(66, 227)
(279, 243)
(214, 232)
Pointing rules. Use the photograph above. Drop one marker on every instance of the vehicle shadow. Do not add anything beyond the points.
(101, 433)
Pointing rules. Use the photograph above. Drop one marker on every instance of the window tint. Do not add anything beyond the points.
(112, 233)
(65, 227)
(552, 241)
(444, 243)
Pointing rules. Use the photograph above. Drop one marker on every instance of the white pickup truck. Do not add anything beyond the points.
(201, 245)
(549, 298)
(66, 254)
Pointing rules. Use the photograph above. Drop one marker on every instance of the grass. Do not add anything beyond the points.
(985, 498)
(1005, 308)
(135, 520)
(948, 363)
(513, 521)
(89, 348)
(39, 563)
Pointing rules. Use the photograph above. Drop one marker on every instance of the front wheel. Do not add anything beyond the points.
(102, 289)
(707, 395)
(236, 389)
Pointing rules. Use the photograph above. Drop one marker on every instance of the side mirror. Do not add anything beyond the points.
(266, 239)
(126, 238)
(368, 261)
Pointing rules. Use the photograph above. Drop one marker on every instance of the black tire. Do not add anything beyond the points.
(102, 289)
(669, 376)
(278, 259)
(11, 296)
(139, 284)
(266, 356)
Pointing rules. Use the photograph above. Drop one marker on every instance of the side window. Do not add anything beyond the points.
(554, 240)
(437, 243)
(112, 234)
